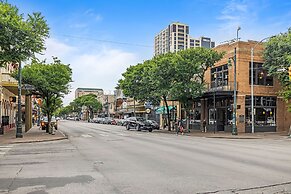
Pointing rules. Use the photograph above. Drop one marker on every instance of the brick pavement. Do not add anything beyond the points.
(35, 134)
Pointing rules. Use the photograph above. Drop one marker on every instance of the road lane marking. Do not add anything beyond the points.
(86, 135)
(4, 149)
(103, 135)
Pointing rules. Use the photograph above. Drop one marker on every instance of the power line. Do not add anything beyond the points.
(100, 40)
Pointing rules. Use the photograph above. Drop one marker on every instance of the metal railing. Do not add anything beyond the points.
(220, 86)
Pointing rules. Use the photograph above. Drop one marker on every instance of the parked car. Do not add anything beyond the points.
(107, 120)
(100, 120)
(121, 122)
(154, 124)
(138, 123)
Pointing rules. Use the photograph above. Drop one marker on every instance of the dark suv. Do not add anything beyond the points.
(138, 123)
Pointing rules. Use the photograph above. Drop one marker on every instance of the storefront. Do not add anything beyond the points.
(264, 113)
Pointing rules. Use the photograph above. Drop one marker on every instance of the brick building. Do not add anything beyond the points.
(270, 109)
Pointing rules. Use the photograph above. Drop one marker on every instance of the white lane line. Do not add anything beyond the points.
(103, 135)
(6, 146)
(4, 149)
(87, 135)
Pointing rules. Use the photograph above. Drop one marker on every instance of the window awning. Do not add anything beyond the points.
(163, 109)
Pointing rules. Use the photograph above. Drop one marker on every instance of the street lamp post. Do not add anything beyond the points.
(214, 103)
(19, 119)
(252, 82)
(234, 127)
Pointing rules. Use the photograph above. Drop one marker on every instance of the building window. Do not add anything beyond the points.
(219, 76)
(261, 76)
(174, 28)
(264, 110)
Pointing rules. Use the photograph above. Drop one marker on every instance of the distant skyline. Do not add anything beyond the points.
(100, 39)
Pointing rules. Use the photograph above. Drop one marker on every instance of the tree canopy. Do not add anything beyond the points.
(20, 38)
(52, 81)
(277, 55)
(171, 76)
(90, 101)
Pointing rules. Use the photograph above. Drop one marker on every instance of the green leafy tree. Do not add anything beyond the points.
(51, 80)
(90, 101)
(277, 55)
(138, 84)
(172, 76)
(164, 73)
(65, 111)
(20, 39)
(189, 81)
(150, 81)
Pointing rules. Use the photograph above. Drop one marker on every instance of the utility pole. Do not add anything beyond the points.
(19, 118)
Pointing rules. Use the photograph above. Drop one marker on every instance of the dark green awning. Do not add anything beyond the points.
(163, 109)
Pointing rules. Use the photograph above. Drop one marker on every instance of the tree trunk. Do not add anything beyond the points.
(168, 113)
(49, 128)
(187, 120)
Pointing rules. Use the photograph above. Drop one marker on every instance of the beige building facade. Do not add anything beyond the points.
(84, 91)
(176, 37)
(269, 108)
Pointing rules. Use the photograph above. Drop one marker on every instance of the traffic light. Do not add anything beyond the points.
(290, 73)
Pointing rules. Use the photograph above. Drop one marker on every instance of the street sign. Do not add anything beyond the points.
(28, 87)
(147, 104)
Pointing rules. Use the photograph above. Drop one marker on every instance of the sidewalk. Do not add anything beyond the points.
(228, 135)
(33, 135)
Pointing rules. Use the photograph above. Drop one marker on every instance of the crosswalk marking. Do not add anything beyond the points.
(4, 149)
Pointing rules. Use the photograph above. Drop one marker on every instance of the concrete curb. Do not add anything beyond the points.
(59, 135)
(235, 137)
(221, 136)
(64, 134)
(38, 141)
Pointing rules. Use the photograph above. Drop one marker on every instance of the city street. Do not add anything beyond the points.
(109, 159)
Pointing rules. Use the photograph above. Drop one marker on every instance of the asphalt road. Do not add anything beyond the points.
(108, 159)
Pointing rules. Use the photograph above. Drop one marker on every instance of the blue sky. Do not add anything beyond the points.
(77, 26)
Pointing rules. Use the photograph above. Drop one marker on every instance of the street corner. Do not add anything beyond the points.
(33, 135)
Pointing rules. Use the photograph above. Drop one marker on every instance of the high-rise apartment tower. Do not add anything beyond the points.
(176, 37)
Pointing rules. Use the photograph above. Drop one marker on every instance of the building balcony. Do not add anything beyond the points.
(221, 89)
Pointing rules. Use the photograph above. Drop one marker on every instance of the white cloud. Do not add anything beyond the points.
(233, 15)
(92, 67)
(78, 25)
(58, 49)
(91, 13)
(98, 18)
(254, 19)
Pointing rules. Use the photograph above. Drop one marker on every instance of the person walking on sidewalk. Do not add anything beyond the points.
(180, 127)
(204, 129)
